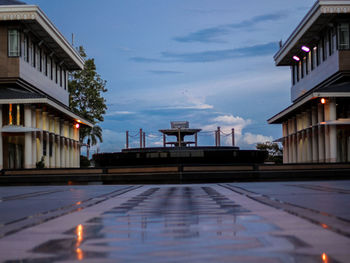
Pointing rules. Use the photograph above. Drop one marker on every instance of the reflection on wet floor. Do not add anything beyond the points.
(177, 224)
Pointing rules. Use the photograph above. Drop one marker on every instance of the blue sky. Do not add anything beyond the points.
(209, 62)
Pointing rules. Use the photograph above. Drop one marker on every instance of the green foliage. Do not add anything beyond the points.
(274, 151)
(84, 161)
(41, 163)
(86, 88)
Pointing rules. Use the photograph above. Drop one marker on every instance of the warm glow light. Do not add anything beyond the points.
(324, 226)
(80, 255)
(79, 232)
(77, 125)
(10, 114)
(296, 58)
(78, 203)
(79, 121)
(305, 48)
(323, 100)
(324, 258)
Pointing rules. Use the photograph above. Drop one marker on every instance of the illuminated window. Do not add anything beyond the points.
(14, 43)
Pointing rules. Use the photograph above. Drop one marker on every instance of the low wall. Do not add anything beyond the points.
(178, 174)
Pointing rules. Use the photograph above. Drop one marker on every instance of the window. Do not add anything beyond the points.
(49, 68)
(65, 79)
(324, 48)
(40, 60)
(33, 57)
(61, 77)
(306, 65)
(14, 43)
(54, 76)
(25, 48)
(37, 58)
(343, 36)
(312, 58)
(319, 49)
(45, 64)
(330, 42)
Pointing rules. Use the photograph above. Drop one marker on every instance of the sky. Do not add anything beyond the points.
(209, 62)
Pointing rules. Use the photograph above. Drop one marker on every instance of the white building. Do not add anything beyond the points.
(35, 119)
(316, 127)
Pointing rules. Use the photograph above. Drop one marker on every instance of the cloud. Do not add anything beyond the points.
(208, 35)
(146, 60)
(214, 55)
(165, 72)
(213, 34)
(250, 138)
(242, 139)
(116, 113)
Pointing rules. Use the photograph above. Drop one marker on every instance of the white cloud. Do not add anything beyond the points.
(250, 138)
(116, 113)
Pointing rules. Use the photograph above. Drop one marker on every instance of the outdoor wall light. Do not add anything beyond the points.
(323, 101)
(305, 48)
(77, 125)
(296, 58)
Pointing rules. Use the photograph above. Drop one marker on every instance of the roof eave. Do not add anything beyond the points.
(33, 12)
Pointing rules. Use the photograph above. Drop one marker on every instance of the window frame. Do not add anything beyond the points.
(9, 43)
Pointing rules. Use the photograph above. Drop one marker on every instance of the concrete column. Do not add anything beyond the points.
(332, 131)
(65, 129)
(66, 153)
(314, 145)
(71, 157)
(309, 146)
(28, 161)
(58, 151)
(290, 149)
(34, 155)
(39, 139)
(62, 153)
(321, 141)
(45, 121)
(295, 152)
(285, 150)
(326, 133)
(47, 158)
(1, 146)
(314, 135)
(53, 157)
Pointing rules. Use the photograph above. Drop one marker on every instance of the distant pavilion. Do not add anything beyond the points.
(180, 129)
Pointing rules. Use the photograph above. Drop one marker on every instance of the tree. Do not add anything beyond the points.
(274, 151)
(86, 88)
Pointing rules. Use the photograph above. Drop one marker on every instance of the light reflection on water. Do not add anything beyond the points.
(80, 237)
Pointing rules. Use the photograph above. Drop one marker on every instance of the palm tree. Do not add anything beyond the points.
(93, 135)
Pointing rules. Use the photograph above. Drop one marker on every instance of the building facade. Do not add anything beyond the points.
(35, 119)
(316, 127)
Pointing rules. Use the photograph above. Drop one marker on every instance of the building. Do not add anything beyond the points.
(35, 119)
(316, 127)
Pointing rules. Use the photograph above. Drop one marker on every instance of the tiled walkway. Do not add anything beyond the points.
(193, 223)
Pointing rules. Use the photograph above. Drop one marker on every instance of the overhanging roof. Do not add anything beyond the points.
(307, 31)
(278, 118)
(42, 27)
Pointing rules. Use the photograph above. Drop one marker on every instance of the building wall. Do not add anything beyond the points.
(9, 67)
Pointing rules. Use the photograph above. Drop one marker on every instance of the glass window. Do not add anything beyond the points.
(37, 59)
(65, 79)
(25, 48)
(49, 68)
(33, 57)
(14, 43)
(343, 36)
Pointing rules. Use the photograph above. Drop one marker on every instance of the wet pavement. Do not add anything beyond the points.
(178, 223)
